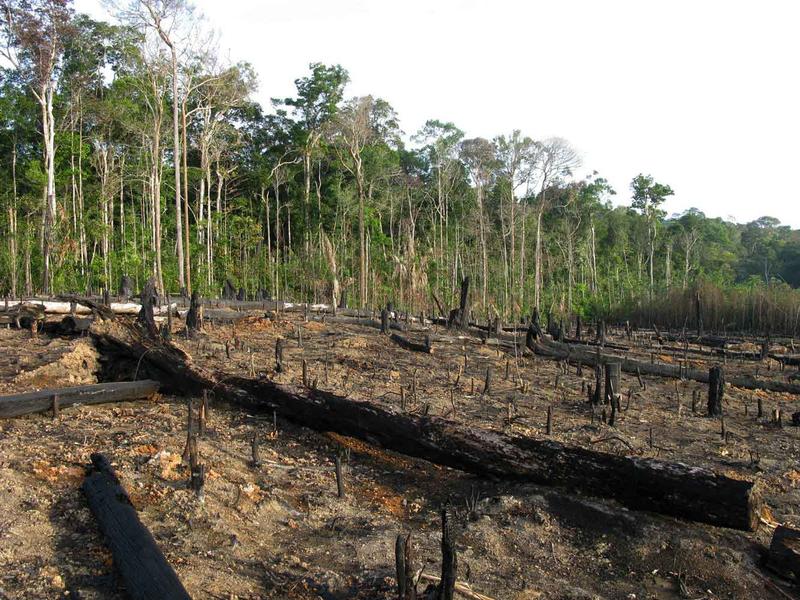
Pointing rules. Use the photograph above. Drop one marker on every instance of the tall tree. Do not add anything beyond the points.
(33, 33)
(318, 98)
(169, 20)
(647, 196)
(360, 122)
(554, 158)
(479, 156)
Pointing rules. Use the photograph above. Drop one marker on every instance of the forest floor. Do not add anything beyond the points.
(280, 531)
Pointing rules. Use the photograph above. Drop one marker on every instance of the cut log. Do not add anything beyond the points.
(137, 557)
(640, 483)
(363, 322)
(53, 307)
(784, 552)
(68, 326)
(100, 393)
(410, 345)
(787, 359)
(575, 354)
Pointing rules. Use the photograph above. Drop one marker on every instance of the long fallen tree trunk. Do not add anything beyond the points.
(53, 307)
(99, 393)
(576, 355)
(145, 571)
(670, 488)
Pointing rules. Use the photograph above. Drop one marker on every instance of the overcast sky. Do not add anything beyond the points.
(703, 95)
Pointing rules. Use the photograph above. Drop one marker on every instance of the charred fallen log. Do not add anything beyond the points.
(68, 326)
(576, 355)
(411, 345)
(787, 359)
(784, 552)
(137, 557)
(670, 488)
(100, 393)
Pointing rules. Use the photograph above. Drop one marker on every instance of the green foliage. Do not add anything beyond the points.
(265, 189)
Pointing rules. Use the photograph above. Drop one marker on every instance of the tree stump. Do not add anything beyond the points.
(613, 371)
(460, 316)
(598, 382)
(228, 291)
(716, 391)
(279, 355)
(126, 287)
(449, 559)
(146, 318)
(404, 568)
(194, 318)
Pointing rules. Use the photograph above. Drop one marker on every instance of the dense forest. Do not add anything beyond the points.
(134, 149)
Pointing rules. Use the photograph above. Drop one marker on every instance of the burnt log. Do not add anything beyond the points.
(69, 326)
(28, 403)
(144, 569)
(574, 355)
(787, 359)
(784, 552)
(639, 483)
(411, 345)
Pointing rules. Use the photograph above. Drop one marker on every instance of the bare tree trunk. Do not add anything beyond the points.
(668, 265)
(362, 254)
(594, 258)
(537, 281)
(12, 221)
(48, 133)
(187, 246)
(156, 195)
(176, 160)
(84, 249)
(484, 255)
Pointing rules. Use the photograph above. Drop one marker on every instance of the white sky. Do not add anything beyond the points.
(703, 94)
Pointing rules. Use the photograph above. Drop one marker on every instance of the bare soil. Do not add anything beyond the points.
(280, 531)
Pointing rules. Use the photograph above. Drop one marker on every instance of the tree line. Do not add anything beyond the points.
(136, 149)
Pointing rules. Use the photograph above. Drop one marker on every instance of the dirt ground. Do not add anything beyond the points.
(280, 531)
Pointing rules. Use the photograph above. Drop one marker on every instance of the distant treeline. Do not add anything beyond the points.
(134, 149)
(708, 307)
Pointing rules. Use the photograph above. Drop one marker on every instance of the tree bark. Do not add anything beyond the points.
(716, 391)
